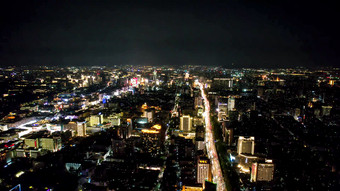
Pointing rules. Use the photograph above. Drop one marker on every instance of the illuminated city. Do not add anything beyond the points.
(173, 96)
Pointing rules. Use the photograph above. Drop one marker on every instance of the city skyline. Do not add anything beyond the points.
(191, 95)
(169, 128)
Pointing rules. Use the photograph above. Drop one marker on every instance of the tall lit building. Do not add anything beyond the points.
(42, 140)
(223, 107)
(198, 101)
(221, 116)
(114, 119)
(95, 120)
(186, 123)
(246, 145)
(231, 104)
(262, 171)
(203, 170)
(81, 129)
(199, 143)
(51, 143)
(149, 113)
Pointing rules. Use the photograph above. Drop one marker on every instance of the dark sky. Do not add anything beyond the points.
(253, 33)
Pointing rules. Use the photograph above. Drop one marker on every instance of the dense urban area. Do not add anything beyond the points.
(189, 128)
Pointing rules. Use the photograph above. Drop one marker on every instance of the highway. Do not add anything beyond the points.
(211, 149)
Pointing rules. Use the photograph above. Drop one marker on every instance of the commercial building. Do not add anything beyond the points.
(262, 171)
(223, 107)
(43, 140)
(125, 130)
(95, 120)
(246, 162)
(227, 133)
(51, 143)
(186, 123)
(198, 101)
(115, 119)
(222, 82)
(200, 111)
(199, 144)
(203, 170)
(149, 114)
(231, 104)
(246, 145)
(81, 129)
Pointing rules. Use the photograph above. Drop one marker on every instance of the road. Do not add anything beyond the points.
(210, 144)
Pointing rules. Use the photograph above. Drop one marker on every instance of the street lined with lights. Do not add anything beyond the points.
(209, 139)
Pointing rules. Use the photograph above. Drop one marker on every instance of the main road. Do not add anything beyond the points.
(210, 144)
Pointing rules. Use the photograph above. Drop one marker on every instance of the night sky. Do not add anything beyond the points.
(253, 33)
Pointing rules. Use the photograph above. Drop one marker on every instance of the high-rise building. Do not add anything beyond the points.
(198, 101)
(227, 133)
(231, 104)
(246, 145)
(95, 120)
(199, 144)
(222, 107)
(124, 131)
(200, 112)
(222, 116)
(198, 121)
(114, 119)
(81, 129)
(42, 140)
(222, 82)
(186, 123)
(51, 143)
(203, 170)
(149, 113)
(262, 171)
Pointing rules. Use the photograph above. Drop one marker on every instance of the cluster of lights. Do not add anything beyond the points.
(149, 131)
(157, 127)
(243, 169)
(154, 129)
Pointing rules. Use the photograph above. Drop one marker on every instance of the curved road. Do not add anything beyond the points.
(211, 149)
